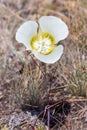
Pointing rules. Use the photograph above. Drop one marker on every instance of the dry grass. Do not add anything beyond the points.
(22, 77)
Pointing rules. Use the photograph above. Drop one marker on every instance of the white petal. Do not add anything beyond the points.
(52, 57)
(25, 33)
(55, 26)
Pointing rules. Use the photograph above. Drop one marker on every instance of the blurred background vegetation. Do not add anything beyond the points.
(22, 76)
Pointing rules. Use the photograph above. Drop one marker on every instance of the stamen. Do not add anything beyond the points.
(43, 43)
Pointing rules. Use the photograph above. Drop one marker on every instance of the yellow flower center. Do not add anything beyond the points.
(44, 43)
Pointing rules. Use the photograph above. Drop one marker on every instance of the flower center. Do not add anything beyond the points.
(44, 43)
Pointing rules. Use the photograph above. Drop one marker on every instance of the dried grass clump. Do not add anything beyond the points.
(27, 88)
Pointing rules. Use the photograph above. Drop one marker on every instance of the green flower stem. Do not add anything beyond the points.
(45, 83)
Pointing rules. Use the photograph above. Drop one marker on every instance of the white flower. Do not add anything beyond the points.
(42, 38)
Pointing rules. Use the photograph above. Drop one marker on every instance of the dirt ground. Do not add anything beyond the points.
(22, 102)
